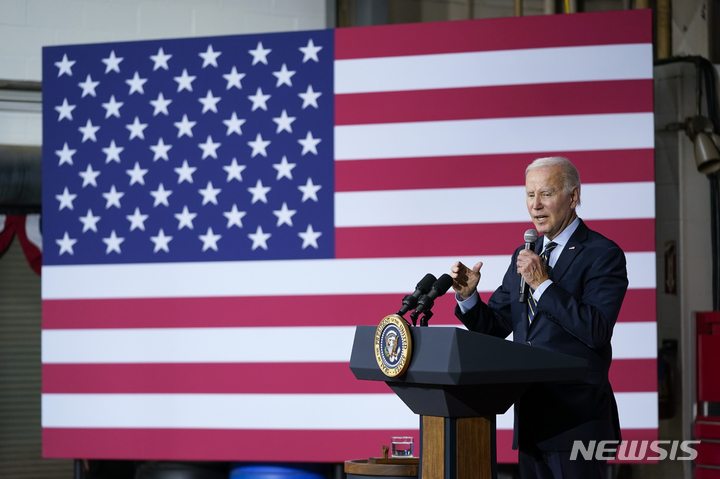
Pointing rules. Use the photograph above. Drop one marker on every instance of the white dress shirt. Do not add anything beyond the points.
(561, 240)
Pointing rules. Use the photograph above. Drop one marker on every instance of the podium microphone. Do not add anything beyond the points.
(531, 237)
(423, 287)
(426, 301)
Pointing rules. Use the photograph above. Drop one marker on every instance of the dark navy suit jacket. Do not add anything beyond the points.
(576, 316)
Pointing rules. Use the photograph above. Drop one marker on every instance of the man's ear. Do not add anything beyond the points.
(575, 197)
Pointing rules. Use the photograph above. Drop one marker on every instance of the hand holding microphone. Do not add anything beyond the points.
(530, 237)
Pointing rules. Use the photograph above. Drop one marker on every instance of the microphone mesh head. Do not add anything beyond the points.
(531, 236)
(443, 284)
(426, 283)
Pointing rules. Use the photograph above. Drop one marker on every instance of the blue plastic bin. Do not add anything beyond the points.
(274, 472)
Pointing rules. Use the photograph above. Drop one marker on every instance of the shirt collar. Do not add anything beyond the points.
(564, 236)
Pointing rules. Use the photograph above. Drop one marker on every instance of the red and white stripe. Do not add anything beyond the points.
(435, 124)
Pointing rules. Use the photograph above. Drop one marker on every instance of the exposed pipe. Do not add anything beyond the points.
(518, 8)
(549, 7)
(20, 179)
(17, 85)
(20, 166)
(663, 29)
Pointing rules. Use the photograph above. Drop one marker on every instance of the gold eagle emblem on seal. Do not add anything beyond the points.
(393, 345)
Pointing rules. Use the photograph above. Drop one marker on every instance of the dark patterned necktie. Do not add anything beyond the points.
(532, 304)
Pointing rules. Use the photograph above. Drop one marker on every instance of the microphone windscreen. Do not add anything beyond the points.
(443, 284)
(426, 283)
(531, 236)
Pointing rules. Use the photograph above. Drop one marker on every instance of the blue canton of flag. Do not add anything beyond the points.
(189, 150)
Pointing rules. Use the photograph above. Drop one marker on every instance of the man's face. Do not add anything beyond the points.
(550, 208)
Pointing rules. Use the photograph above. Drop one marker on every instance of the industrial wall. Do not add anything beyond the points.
(25, 27)
(28, 25)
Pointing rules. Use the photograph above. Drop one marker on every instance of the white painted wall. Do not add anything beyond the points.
(28, 25)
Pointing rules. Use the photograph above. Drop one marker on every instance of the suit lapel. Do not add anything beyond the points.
(570, 251)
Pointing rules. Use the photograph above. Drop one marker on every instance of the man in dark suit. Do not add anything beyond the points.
(574, 302)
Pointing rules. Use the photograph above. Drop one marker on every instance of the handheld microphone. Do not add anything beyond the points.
(531, 237)
(423, 287)
(426, 301)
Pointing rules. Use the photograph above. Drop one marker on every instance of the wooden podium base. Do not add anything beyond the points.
(383, 467)
(462, 448)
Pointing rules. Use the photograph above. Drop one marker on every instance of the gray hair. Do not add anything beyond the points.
(570, 175)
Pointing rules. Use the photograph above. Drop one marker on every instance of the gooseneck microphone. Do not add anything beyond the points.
(426, 301)
(423, 287)
(531, 237)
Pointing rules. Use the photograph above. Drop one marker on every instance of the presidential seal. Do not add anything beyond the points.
(393, 345)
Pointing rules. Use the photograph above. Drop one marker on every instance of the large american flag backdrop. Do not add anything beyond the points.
(220, 213)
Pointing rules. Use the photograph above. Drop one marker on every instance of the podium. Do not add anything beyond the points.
(457, 381)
